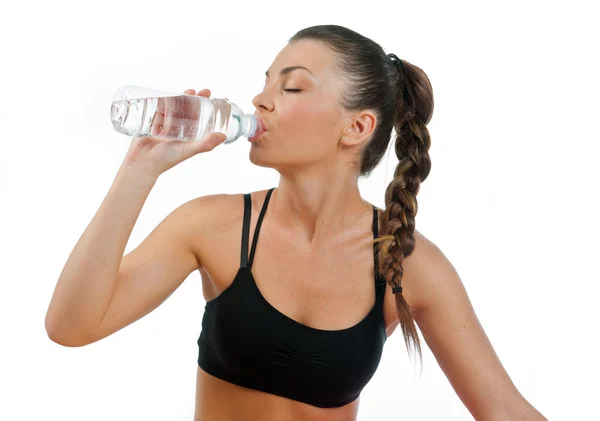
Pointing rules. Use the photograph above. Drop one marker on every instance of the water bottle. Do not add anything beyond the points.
(138, 111)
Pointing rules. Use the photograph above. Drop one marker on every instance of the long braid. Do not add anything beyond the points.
(412, 145)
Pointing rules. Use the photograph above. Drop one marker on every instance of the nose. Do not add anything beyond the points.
(262, 102)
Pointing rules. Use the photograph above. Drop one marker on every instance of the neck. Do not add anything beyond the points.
(317, 211)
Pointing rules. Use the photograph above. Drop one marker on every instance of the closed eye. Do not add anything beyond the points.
(292, 90)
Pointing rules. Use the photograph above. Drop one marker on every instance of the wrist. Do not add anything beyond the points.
(138, 173)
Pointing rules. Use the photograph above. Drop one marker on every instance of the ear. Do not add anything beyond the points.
(361, 125)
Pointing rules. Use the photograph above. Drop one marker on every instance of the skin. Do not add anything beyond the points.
(317, 228)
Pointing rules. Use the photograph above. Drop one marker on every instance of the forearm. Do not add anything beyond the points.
(87, 281)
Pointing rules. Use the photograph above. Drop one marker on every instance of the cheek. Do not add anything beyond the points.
(309, 119)
(295, 117)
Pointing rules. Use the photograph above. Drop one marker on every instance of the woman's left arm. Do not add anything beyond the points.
(461, 347)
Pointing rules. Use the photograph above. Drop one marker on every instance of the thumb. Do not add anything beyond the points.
(211, 141)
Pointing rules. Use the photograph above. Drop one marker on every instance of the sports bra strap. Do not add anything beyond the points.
(379, 280)
(246, 228)
(258, 224)
(375, 235)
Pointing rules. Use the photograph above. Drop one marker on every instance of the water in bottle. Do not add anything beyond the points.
(138, 111)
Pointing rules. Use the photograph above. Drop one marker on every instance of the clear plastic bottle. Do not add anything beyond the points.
(138, 111)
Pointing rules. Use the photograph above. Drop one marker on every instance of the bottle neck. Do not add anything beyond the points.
(242, 124)
(249, 125)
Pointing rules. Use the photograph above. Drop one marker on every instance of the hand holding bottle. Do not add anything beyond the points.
(159, 155)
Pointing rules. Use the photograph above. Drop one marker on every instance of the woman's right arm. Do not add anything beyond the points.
(99, 290)
(88, 279)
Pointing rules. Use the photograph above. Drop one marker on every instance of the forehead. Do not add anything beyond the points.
(311, 54)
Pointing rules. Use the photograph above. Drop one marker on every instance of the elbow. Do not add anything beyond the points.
(64, 337)
(68, 342)
(518, 411)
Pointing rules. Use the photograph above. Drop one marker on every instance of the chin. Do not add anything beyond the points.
(256, 158)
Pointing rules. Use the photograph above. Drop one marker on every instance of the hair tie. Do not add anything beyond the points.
(394, 58)
(397, 289)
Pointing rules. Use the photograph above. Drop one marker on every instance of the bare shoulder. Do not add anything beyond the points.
(205, 216)
(214, 217)
(217, 211)
(420, 269)
(427, 268)
(223, 206)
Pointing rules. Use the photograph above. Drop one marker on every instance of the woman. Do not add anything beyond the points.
(294, 326)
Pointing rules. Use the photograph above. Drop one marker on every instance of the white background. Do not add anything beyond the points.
(512, 197)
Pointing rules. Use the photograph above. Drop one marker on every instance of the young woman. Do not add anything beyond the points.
(295, 324)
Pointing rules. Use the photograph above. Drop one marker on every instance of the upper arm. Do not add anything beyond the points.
(455, 336)
(152, 271)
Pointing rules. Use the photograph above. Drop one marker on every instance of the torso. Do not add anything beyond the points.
(346, 261)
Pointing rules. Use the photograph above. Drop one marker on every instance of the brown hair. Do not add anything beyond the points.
(402, 100)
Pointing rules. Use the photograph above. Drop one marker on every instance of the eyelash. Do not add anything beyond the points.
(292, 90)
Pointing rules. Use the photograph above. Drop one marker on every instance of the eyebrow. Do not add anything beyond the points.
(290, 69)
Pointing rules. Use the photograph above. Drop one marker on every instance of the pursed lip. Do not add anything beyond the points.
(262, 125)
(256, 136)
(262, 128)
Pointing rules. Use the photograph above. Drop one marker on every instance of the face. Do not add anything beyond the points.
(301, 110)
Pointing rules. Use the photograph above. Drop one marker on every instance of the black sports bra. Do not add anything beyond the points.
(246, 341)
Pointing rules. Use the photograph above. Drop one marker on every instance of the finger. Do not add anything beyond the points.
(189, 92)
(158, 119)
(204, 92)
(211, 141)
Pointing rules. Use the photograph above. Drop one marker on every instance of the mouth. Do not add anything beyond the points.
(262, 128)
(257, 135)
